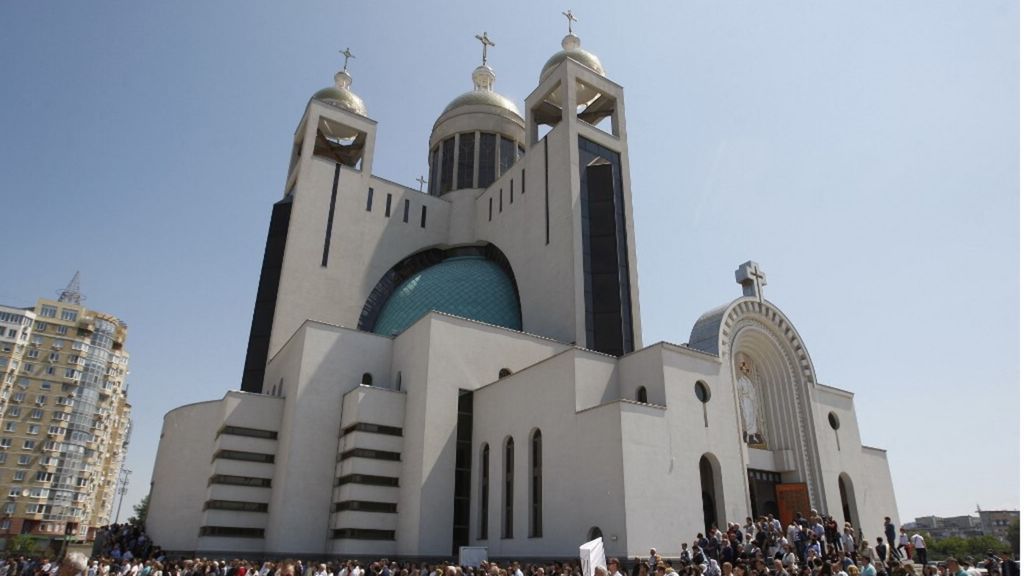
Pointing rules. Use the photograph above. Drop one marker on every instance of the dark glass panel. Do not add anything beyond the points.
(487, 160)
(467, 145)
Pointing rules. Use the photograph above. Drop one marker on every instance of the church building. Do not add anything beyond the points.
(462, 365)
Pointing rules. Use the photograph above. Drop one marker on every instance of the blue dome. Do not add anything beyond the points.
(468, 286)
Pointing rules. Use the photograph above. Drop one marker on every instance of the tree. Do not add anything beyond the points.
(141, 511)
(981, 546)
(1013, 535)
(22, 545)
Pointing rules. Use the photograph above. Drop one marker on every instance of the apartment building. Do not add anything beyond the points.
(64, 417)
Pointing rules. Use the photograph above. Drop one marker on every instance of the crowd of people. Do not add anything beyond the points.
(813, 546)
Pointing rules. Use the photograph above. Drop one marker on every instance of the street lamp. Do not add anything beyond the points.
(122, 487)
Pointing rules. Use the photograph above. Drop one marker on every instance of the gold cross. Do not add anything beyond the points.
(571, 18)
(486, 42)
(347, 54)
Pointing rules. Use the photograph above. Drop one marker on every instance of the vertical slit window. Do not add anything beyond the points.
(511, 190)
(369, 200)
(490, 209)
(485, 489)
(387, 206)
(547, 213)
(487, 159)
(536, 487)
(447, 164)
(522, 181)
(330, 215)
(423, 217)
(467, 144)
(508, 485)
(501, 200)
(405, 211)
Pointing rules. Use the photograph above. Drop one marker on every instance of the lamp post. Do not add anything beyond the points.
(122, 487)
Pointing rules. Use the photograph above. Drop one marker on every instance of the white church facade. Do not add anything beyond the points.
(463, 365)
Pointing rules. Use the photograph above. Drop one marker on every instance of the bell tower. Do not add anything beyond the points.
(577, 113)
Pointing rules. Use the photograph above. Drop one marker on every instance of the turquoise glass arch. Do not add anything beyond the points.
(468, 286)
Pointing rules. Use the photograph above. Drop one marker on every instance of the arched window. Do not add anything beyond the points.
(641, 394)
(367, 379)
(504, 372)
(485, 489)
(536, 486)
(398, 381)
(711, 490)
(594, 533)
(507, 487)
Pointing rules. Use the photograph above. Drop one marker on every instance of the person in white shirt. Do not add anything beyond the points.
(920, 549)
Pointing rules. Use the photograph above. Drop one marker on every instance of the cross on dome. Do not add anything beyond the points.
(752, 278)
(486, 42)
(347, 54)
(569, 16)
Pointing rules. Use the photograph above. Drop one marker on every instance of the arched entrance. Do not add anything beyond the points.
(711, 490)
(848, 500)
(594, 533)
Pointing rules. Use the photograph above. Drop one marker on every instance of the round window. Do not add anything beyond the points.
(702, 391)
(833, 420)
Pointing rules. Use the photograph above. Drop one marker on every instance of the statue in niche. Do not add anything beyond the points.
(750, 406)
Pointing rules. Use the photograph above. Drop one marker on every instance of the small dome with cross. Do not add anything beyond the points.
(341, 95)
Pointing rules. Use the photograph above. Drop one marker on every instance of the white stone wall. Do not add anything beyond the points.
(319, 365)
(180, 474)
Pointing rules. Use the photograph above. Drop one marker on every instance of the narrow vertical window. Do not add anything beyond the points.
(447, 164)
(522, 181)
(507, 486)
(511, 190)
(641, 394)
(330, 215)
(485, 489)
(501, 200)
(490, 209)
(405, 211)
(506, 155)
(387, 206)
(488, 157)
(467, 145)
(536, 487)
(435, 172)
(423, 217)
(369, 200)
(547, 213)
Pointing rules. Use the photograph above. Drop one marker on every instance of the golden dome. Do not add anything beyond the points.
(571, 49)
(341, 96)
(483, 94)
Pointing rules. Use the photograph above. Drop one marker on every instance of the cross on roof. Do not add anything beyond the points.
(422, 181)
(486, 42)
(568, 15)
(347, 54)
(752, 278)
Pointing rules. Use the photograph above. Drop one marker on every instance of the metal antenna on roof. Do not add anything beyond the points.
(72, 293)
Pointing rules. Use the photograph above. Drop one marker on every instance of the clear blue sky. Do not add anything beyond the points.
(866, 153)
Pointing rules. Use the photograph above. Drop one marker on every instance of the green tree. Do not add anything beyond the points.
(953, 546)
(980, 546)
(141, 511)
(1013, 535)
(22, 545)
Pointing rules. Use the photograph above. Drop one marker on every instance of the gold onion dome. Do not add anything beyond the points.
(483, 94)
(571, 49)
(341, 95)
